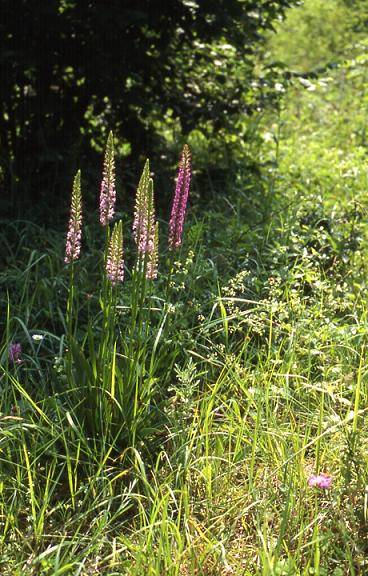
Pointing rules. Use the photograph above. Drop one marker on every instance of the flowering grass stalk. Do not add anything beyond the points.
(145, 233)
(72, 252)
(144, 214)
(113, 276)
(73, 239)
(107, 211)
(152, 263)
(115, 259)
(144, 237)
(180, 199)
(140, 205)
(145, 228)
(108, 191)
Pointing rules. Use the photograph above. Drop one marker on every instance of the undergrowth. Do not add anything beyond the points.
(252, 347)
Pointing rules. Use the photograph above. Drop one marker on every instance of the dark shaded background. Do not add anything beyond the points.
(155, 71)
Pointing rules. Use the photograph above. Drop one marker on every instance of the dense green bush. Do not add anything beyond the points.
(319, 33)
(154, 71)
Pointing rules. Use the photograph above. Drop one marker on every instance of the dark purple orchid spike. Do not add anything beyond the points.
(15, 353)
(180, 199)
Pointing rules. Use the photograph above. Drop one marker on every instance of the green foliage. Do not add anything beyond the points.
(77, 69)
(314, 34)
(251, 358)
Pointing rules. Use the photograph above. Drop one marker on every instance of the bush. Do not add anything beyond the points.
(75, 69)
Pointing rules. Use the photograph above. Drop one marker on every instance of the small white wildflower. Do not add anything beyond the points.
(279, 87)
(38, 337)
(307, 84)
(268, 137)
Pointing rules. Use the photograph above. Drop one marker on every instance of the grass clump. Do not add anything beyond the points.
(179, 426)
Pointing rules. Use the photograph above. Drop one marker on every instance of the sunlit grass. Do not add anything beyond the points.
(255, 361)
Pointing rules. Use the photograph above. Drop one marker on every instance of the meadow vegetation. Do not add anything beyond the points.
(213, 420)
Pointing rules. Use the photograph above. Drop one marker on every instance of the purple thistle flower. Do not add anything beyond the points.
(73, 239)
(15, 353)
(108, 192)
(180, 199)
(320, 481)
(115, 260)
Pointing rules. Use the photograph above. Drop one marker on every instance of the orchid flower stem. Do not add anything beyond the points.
(140, 320)
(69, 323)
